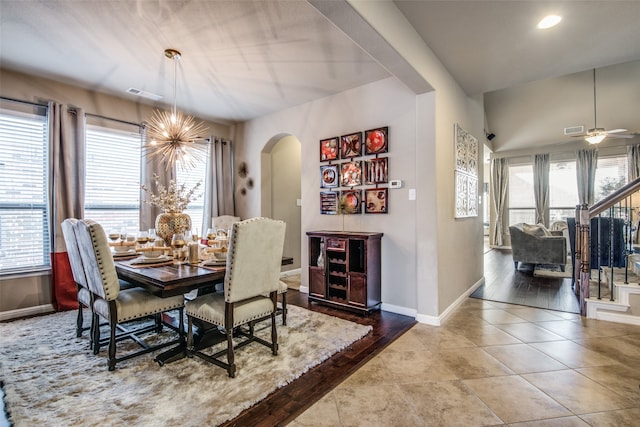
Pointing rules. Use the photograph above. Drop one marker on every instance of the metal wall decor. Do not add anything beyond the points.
(466, 174)
(361, 165)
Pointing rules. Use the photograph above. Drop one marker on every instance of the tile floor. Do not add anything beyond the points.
(494, 364)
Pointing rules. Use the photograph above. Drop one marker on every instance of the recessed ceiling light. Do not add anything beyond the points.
(549, 21)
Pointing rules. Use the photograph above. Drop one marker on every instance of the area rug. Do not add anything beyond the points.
(51, 378)
(552, 270)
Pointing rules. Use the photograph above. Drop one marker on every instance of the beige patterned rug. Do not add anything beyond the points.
(51, 378)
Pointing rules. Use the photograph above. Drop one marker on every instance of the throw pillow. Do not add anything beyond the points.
(536, 230)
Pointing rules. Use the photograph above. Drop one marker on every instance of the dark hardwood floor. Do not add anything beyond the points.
(286, 403)
(503, 283)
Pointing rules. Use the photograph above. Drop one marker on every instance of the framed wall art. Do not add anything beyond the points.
(350, 202)
(351, 174)
(465, 174)
(376, 200)
(329, 149)
(328, 203)
(376, 141)
(466, 151)
(376, 171)
(351, 145)
(466, 195)
(329, 177)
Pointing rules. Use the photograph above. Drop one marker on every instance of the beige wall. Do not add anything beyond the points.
(24, 291)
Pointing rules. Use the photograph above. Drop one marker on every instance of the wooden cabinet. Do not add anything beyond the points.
(349, 272)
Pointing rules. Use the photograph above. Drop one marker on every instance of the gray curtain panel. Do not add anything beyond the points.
(499, 187)
(219, 185)
(541, 188)
(633, 159)
(586, 162)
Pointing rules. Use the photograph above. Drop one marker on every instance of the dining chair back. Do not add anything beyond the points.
(250, 291)
(118, 306)
(77, 269)
(224, 221)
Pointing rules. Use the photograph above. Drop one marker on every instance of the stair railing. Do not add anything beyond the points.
(616, 218)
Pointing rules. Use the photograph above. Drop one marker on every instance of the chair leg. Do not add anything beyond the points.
(79, 321)
(231, 368)
(112, 346)
(274, 334)
(95, 320)
(284, 308)
(516, 265)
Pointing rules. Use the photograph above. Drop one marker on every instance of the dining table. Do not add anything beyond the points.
(169, 279)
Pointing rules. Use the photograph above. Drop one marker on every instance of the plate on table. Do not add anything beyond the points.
(214, 262)
(124, 253)
(152, 260)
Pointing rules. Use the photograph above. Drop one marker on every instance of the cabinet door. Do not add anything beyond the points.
(358, 289)
(317, 285)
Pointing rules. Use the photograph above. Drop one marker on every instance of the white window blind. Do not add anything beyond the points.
(563, 190)
(112, 184)
(190, 178)
(24, 228)
(611, 174)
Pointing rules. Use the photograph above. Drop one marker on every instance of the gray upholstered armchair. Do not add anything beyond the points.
(534, 244)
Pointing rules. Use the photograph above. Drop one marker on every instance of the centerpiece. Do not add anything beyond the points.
(173, 200)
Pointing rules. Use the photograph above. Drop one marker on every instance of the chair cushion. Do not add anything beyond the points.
(536, 230)
(135, 303)
(210, 308)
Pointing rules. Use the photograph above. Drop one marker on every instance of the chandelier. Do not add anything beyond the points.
(175, 136)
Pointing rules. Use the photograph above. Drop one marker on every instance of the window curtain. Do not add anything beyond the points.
(219, 185)
(499, 187)
(586, 162)
(541, 187)
(66, 194)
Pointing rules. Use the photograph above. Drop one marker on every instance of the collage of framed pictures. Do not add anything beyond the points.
(353, 160)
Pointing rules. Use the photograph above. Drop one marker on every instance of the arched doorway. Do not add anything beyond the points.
(281, 190)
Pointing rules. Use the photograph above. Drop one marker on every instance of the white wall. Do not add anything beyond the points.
(384, 103)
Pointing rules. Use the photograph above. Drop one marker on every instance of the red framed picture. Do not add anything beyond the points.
(351, 202)
(329, 177)
(350, 174)
(329, 149)
(351, 145)
(328, 203)
(376, 141)
(376, 171)
(376, 200)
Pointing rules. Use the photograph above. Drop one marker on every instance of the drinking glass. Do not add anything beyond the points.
(143, 238)
(152, 234)
(178, 243)
(114, 235)
(211, 236)
(195, 236)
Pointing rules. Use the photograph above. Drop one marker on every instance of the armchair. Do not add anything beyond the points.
(534, 244)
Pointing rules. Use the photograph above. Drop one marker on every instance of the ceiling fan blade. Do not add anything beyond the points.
(619, 136)
(617, 130)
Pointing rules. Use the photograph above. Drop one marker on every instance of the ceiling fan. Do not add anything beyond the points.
(596, 135)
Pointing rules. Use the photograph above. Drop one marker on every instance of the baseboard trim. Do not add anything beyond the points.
(304, 289)
(618, 317)
(290, 272)
(397, 309)
(26, 312)
(439, 320)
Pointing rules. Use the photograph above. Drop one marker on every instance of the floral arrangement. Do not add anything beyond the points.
(172, 199)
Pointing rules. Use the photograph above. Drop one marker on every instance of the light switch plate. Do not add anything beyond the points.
(412, 194)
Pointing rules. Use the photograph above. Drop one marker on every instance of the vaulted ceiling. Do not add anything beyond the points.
(244, 59)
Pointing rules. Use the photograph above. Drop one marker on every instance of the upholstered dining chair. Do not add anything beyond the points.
(224, 221)
(77, 269)
(250, 289)
(114, 305)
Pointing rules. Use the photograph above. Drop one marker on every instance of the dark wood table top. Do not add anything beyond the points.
(170, 280)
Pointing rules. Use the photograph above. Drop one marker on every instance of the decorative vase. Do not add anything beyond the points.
(170, 223)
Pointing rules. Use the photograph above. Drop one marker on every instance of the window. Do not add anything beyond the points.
(522, 204)
(112, 183)
(611, 174)
(563, 190)
(24, 226)
(190, 178)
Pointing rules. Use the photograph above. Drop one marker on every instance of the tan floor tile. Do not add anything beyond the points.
(619, 378)
(433, 338)
(622, 418)
(323, 413)
(573, 355)
(375, 406)
(513, 399)
(500, 317)
(410, 340)
(533, 314)
(586, 328)
(523, 358)
(528, 332)
(374, 372)
(489, 338)
(625, 349)
(416, 366)
(578, 393)
(449, 403)
(553, 422)
(473, 363)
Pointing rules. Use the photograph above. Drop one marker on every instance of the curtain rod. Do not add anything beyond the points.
(20, 101)
(98, 116)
